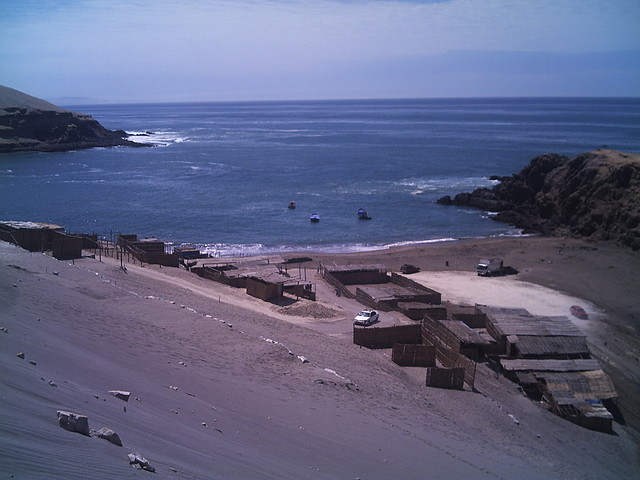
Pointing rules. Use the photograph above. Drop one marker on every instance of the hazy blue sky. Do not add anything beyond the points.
(189, 50)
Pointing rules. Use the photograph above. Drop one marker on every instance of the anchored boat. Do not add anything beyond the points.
(362, 214)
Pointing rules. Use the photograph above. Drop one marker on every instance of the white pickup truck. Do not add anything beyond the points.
(489, 266)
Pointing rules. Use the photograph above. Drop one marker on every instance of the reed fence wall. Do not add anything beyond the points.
(385, 337)
(450, 378)
(413, 355)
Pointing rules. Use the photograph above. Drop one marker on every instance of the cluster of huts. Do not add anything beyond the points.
(547, 356)
(550, 359)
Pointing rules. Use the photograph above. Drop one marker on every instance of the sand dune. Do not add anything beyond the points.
(218, 391)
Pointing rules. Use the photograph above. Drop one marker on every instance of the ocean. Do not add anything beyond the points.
(222, 174)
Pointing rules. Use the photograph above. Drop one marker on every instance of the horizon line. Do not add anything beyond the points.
(88, 101)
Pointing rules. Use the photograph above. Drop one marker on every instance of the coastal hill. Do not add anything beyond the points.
(30, 124)
(595, 196)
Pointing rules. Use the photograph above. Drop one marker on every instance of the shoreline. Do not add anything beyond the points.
(243, 250)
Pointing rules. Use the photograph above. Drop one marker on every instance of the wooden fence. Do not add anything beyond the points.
(448, 349)
(451, 378)
(385, 337)
(411, 355)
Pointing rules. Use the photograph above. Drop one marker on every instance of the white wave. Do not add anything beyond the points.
(420, 186)
(161, 138)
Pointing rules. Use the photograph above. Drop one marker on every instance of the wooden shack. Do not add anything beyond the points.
(148, 250)
(518, 333)
(560, 347)
(418, 310)
(271, 285)
(66, 247)
(522, 371)
(188, 252)
(576, 390)
(454, 335)
(449, 349)
(356, 274)
(32, 236)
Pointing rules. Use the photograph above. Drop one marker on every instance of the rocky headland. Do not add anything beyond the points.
(30, 124)
(595, 196)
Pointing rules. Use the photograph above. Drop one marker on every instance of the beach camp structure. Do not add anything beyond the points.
(371, 285)
(261, 277)
(66, 247)
(549, 358)
(32, 236)
(520, 334)
(577, 390)
(148, 250)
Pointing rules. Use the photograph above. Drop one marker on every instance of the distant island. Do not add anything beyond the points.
(30, 124)
(595, 196)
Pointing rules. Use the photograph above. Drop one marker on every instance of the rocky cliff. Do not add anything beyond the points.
(595, 195)
(29, 123)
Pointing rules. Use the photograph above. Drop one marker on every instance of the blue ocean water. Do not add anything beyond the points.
(224, 173)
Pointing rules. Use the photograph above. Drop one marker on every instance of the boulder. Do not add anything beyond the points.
(73, 422)
(121, 394)
(139, 461)
(108, 434)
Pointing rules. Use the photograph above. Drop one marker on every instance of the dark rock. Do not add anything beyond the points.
(595, 195)
(29, 123)
(73, 422)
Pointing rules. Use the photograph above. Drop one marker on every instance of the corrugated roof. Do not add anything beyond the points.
(549, 346)
(550, 365)
(463, 332)
(503, 311)
(581, 385)
(18, 225)
(534, 325)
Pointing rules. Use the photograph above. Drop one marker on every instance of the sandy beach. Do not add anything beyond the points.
(218, 388)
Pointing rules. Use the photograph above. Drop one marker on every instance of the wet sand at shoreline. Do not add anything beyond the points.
(245, 408)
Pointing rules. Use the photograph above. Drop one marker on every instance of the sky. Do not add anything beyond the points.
(139, 51)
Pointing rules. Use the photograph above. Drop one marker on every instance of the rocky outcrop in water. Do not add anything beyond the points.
(595, 195)
(30, 124)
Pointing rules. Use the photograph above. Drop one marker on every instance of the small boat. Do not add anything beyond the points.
(315, 218)
(362, 214)
(291, 205)
(578, 311)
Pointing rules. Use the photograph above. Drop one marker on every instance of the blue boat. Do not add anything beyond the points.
(362, 214)
(315, 218)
